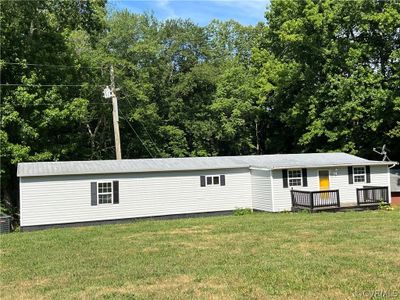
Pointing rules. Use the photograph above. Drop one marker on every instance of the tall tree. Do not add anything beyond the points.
(40, 110)
(342, 59)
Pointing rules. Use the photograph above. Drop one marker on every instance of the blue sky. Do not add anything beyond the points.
(247, 12)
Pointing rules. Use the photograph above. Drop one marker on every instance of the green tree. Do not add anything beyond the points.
(341, 59)
(40, 114)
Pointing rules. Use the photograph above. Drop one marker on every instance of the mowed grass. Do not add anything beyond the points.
(258, 256)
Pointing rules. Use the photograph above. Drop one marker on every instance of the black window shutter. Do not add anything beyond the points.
(368, 170)
(93, 193)
(202, 180)
(222, 181)
(285, 178)
(116, 192)
(350, 172)
(304, 174)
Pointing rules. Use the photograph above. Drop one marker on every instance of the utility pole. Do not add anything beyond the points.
(115, 115)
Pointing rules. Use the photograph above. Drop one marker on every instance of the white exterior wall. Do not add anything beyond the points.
(67, 199)
(282, 199)
(261, 189)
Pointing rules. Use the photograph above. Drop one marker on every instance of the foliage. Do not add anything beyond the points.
(40, 117)
(343, 66)
(316, 76)
(384, 206)
(242, 211)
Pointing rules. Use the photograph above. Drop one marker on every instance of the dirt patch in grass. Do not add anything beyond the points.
(151, 250)
(194, 230)
(178, 286)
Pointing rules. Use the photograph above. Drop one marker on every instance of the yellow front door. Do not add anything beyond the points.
(323, 180)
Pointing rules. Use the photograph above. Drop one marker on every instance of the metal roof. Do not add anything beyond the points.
(274, 161)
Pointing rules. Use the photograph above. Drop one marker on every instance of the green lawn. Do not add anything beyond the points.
(258, 256)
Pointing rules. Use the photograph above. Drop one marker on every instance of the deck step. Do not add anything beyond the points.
(338, 209)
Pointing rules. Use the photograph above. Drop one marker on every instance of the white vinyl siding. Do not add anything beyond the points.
(261, 189)
(338, 180)
(67, 199)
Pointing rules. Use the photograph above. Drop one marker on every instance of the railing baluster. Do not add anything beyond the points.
(372, 195)
(317, 199)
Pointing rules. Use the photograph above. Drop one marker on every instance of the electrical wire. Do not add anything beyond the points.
(47, 104)
(144, 127)
(50, 85)
(133, 129)
(47, 65)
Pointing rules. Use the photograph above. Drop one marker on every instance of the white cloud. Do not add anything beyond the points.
(167, 10)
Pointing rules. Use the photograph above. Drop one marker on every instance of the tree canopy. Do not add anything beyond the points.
(314, 76)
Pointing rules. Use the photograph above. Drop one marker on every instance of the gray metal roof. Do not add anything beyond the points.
(274, 161)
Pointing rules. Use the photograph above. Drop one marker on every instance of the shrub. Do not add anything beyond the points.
(242, 211)
(384, 206)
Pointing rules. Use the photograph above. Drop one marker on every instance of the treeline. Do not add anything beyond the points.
(314, 76)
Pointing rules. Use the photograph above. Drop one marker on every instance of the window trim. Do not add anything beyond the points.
(363, 174)
(102, 193)
(212, 180)
(300, 177)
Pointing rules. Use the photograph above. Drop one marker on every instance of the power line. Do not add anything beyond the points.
(50, 85)
(48, 104)
(144, 145)
(155, 145)
(47, 65)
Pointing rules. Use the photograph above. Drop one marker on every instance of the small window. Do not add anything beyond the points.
(213, 180)
(398, 182)
(104, 192)
(359, 174)
(295, 177)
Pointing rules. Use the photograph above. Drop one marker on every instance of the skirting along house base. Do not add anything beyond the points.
(77, 193)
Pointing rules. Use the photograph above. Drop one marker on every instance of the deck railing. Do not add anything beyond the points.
(316, 199)
(372, 195)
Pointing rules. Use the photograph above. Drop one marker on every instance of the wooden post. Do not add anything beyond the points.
(115, 116)
(312, 200)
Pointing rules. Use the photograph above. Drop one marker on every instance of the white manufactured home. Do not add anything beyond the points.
(79, 192)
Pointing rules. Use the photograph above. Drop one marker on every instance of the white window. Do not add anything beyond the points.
(295, 178)
(359, 174)
(104, 192)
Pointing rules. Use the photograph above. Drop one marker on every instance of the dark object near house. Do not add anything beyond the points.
(395, 186)
(5, 224)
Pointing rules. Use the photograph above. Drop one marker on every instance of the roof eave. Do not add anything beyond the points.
(133, 172)
(368, 163)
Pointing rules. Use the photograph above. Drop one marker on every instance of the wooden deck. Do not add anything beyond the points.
(368, 198)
